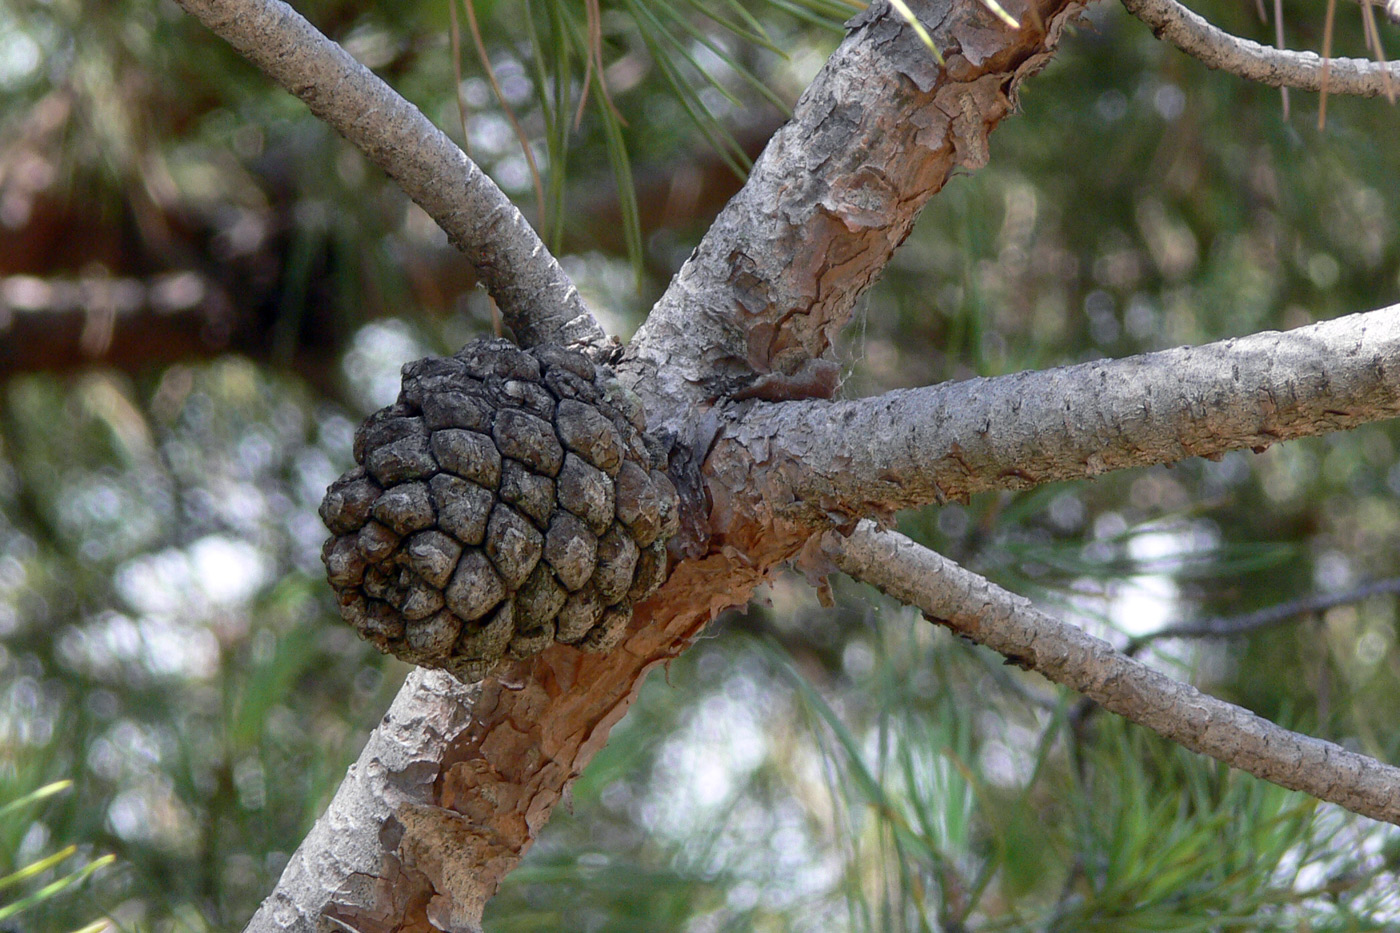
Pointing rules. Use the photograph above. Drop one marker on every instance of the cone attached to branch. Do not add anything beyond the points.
(509, 499)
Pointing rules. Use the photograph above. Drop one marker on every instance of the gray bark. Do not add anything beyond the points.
(536, 298)
(358, 880)
(753, 311)
(1215, 48)
(919, 446)
(894, 135)
(972, 606)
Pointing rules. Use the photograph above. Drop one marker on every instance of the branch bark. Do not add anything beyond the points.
(343, 875)
(918, 446)
(753, 311)
(1215, 48)
(536, 298)
(879, 131)
(972, 606)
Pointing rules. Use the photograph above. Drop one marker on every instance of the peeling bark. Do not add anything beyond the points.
(753, 311)
(373, 880)
(456, 783)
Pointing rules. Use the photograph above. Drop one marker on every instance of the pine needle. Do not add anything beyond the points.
(48, 790)
(903, 9)
(594, 26)
(49, 890)
(594, 58)
(822, 17)
(1373, 44)
(485, 57)
(1326, 63)
(457, 74)
(1278, 42)
(750, 31)
(1001, 14)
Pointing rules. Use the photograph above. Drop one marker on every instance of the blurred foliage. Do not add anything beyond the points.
(166, 643)
(16, 896)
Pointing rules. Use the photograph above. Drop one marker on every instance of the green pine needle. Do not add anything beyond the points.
(903, 9)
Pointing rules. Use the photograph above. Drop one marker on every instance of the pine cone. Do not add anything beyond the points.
(509, 499)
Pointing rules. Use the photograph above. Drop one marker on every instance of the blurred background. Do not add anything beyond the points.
(203, 289)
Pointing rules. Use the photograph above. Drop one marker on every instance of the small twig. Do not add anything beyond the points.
(1275, 67)
(1230, 626)
(978, 609)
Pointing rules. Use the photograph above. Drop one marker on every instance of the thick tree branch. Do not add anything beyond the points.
(753, 311)
(536, 298)
(1216, 48)
(972, 606)
(48, 323)
(919, 446)
(343, 875)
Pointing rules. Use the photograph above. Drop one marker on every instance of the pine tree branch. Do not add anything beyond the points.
(1233, 626)
(537, 723)
(536, 298)
(345, 877)
(756, 305)
(882, 127)
(938, 443)
(1216, 48)
(973, 607)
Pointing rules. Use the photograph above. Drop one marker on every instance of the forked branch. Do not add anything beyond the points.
(974, 607)
(882, 127)
(1216, 48)
(537, 299)
(754, 310)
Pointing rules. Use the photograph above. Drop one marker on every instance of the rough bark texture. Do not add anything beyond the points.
(390, 787)
(753, 311)
(879, 131)
(457, 781)
(938, 443)
(972, 606)
(536, 298)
